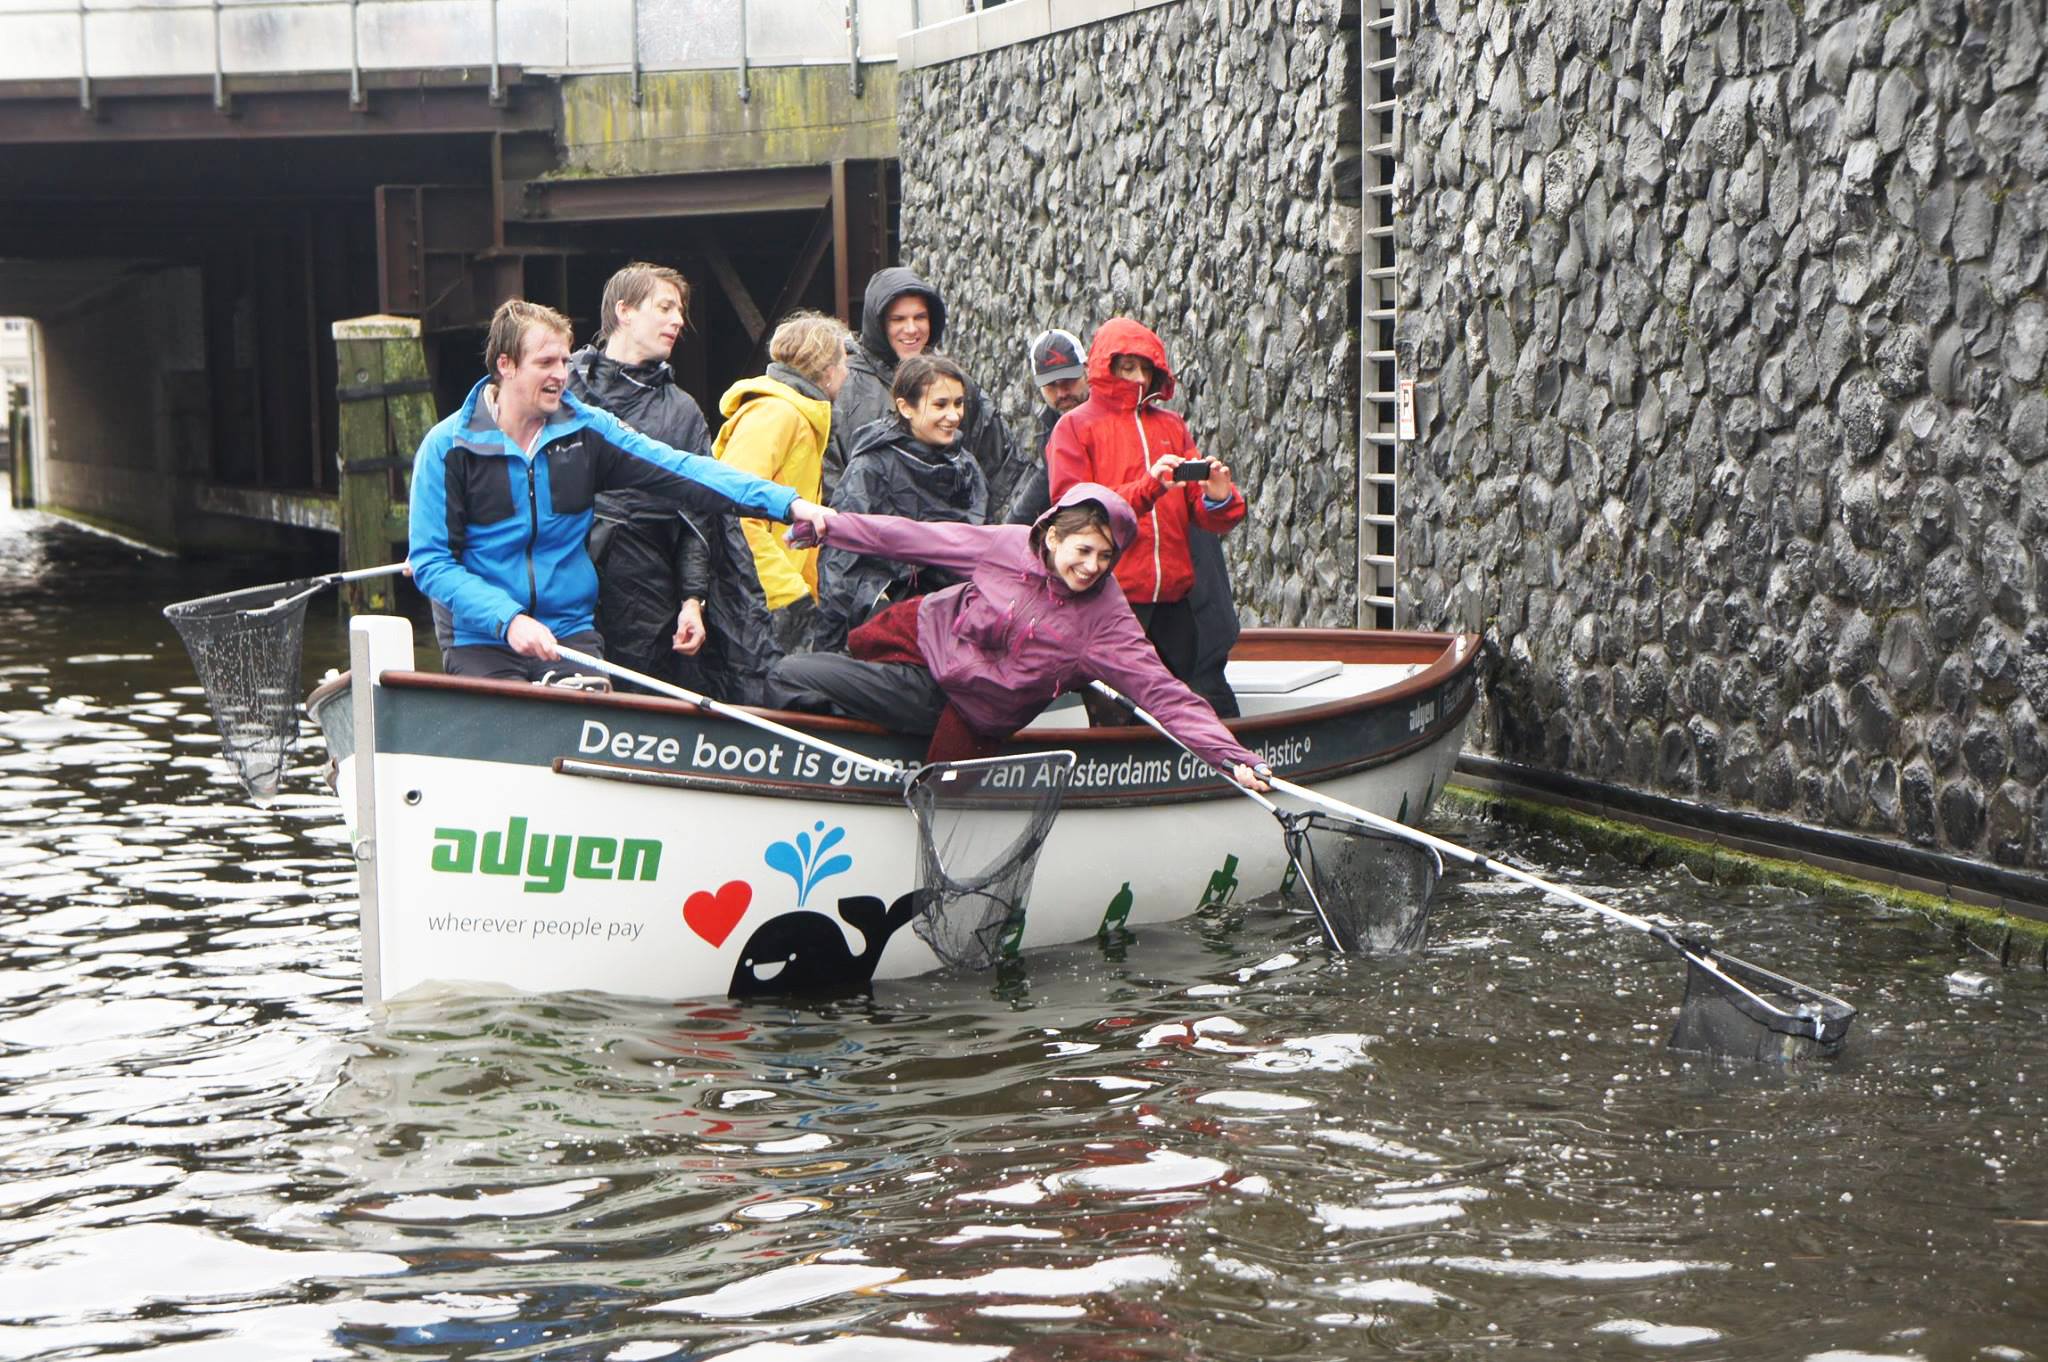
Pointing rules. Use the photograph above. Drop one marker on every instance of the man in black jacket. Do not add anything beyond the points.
(902, 315)
(1059, 370)
(678, 597)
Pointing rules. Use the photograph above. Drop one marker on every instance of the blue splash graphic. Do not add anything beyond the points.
(807, 864)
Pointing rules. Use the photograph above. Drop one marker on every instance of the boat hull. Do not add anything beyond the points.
(556, 841)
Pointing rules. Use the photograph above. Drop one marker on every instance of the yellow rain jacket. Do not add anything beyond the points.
(775, 432)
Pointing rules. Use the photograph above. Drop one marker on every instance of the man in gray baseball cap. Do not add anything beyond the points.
(1059, 370)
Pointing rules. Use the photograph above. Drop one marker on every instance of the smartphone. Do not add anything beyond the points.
(1194, 470)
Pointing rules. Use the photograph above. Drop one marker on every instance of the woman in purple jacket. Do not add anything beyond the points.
(1040, 613)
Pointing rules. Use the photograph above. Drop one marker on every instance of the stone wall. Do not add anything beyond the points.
(1730, 323)
(1183, 166)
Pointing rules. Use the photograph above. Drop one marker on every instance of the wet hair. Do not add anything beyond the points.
(631, 287)
(810, 343)
(915, 376)
(1079, 518)
(510, 324)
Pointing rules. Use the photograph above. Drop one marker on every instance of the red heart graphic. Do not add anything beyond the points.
(713, 916)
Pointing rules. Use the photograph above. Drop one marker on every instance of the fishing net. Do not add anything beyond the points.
(1371, 891)
(980, 827)
(245, 645)
(1737, 1010)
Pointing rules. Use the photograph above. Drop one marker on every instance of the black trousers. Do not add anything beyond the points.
(494, 662)
(1171, 627)
(897, 695)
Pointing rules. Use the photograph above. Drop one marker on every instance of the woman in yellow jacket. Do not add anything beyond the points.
(776, 427)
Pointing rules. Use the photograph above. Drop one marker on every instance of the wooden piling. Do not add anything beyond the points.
(387, 407)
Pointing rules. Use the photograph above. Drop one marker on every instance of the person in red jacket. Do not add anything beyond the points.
(1124, 439)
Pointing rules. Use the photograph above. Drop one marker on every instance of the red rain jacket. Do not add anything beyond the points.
(1113, 438)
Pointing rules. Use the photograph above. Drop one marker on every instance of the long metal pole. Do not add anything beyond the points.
(497, 83)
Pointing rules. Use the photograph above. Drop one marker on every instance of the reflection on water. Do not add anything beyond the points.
(1213, 1141)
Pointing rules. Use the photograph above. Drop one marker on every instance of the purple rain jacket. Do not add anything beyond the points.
(1008, 640)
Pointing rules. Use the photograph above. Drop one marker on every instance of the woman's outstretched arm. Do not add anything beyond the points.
(932, 543)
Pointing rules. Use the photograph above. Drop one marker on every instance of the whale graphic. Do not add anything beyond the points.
(805, 951)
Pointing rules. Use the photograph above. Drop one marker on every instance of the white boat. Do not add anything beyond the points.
(549, 839)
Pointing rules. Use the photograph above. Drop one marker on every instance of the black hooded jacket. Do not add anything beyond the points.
(871, 372)
(892, 472)
(653, 552)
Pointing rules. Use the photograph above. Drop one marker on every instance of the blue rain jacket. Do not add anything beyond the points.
(496, 534)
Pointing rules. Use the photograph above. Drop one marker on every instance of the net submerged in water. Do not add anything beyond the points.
(245, 645)
(1371, 891)
(980, 827)
(1737, 1010)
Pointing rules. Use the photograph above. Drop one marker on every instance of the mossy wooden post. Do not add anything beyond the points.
(387, 407)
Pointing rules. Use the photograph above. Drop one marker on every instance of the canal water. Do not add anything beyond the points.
(1211, 1141)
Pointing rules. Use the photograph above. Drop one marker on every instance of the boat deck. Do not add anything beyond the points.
(1273, 687)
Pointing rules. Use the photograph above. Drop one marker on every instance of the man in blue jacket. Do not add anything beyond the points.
(502, 495)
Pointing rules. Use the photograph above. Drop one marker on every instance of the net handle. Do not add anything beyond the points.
(1330, 932)
(1697, 956)
(313, 584)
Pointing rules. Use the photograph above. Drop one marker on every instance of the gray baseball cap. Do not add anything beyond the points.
(1057, 355)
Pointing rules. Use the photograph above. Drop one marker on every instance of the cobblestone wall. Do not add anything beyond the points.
(1182, 166)
(1731, 327)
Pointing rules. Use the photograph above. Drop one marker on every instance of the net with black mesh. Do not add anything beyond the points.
(980, 827)
(245, 645)
(1371, 891)
(1742, 1011)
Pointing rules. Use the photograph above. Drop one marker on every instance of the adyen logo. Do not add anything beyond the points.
(548, 860)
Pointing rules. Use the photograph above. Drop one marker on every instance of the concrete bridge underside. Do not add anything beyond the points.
(185, 265)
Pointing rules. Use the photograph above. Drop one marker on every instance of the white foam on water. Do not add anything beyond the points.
(780, 1210)
(783, 1288)
(862, 1349)
(795, 1144)
(1384, 1217)
(1239, 1100)
(1048, 1283)
(1392, 1291)
(1033, 1311)
(1586, 1270)
(511, 1203)
(967, 1234)
(1162, 1171)
(1026, 1193)
(1374, 1144)
(1658, 1335)
(1332, 1052)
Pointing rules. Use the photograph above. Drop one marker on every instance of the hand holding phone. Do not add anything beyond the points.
(1191, 470)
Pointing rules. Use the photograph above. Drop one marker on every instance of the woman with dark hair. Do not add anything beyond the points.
(911, 465)
(1038, 614)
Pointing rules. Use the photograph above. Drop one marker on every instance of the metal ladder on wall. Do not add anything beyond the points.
(1379, 443)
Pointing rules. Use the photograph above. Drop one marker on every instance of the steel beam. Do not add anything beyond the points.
(794, 189)
(183, 108)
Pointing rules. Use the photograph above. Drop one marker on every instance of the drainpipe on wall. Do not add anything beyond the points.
(746, 89)
(853, 45)
(633, 21)
(355, 60)
(220, 80)
(497, 79)
(84, 76)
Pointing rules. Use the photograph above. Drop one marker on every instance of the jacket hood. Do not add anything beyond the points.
(1123, 522)
(606, 380)
(885, 288)
(1122, 336)
(816, 412)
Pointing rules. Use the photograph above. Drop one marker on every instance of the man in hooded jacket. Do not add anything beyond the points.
(655, 551)
(871, 362)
